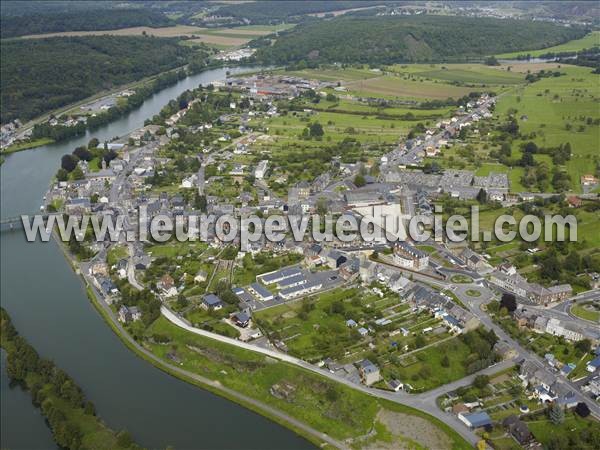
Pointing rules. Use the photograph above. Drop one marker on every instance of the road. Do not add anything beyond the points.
(214, 385)
(425, 402)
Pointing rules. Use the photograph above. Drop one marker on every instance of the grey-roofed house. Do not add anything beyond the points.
(476, 420)
(279, 275)
(261, 292)
(212, 302)
(369, 372)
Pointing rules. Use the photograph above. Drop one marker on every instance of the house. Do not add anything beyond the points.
(241, 319)
(593, 365)
(129, 314)
(167, 286)
(369, 372)
(201, 276)
(212, 302)
(504, 350)
(406, 255)
(301, 289)
(261, 292)
(574, 202)
(278, 275)
(351, 323)
(333, 258)
(395, 385)
(518, 430)
(261, 169)
(475, 420)
(568, 330)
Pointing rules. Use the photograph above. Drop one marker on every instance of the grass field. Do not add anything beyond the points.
(227, 37)
(329, 407)
(589, 41)
(474, 74)
(26, 145)
(557, 109)
(398, 87)
(587, 313)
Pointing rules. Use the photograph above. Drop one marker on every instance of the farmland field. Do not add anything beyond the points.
(396, 87)
(476, 74)
(556, 110)
(227, 37)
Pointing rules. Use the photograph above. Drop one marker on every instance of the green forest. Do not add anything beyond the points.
(39, 75)
(386, 40)
(79, 20)
(264, 12)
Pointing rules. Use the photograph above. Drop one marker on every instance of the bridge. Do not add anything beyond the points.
(15, 223)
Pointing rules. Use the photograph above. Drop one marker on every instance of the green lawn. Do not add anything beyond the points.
(586, 313)
(27, 145)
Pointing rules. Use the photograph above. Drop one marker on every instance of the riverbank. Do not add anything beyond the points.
(26, 145)
(313, 436)
(71, 418)
(255, 391)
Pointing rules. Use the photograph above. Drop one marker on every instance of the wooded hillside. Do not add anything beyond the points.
(383, 40)
(39, 75)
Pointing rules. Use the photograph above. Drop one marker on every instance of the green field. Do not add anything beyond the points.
(589, 41)
(329, 407)
(587, 313)
(473, 74)
(557, 111)
(387, 86)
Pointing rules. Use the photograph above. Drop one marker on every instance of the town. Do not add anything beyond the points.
(406, 321)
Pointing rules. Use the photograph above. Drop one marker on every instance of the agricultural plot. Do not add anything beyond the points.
(556, 110)
(471, 74)
(398, 87)
(348, 325)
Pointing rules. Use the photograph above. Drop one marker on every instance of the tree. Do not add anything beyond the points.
(481, 381)
(77, 173)
(556, 414)
(69, 162)
(182, 302)
(584, 346)
(93, 143)
(83, 153)
(62, 174)
(509, 302)
(582, 409)
(445, 361)
(316, 130)
(491, 61)
(359, 180)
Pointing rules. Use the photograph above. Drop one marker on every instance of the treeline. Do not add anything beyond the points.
(276, 11)
(387, 40)
(39, 75)
(91, 19)
(70, 416)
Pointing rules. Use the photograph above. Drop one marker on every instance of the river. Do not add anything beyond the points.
(49, 307)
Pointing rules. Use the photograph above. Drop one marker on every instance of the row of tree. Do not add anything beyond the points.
(51, 388)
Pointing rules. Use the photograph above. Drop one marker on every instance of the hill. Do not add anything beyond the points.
(386, 40)
(79, 20)
(39, 75)
(265, 12)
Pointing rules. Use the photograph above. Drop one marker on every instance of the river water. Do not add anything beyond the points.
(49, 307)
